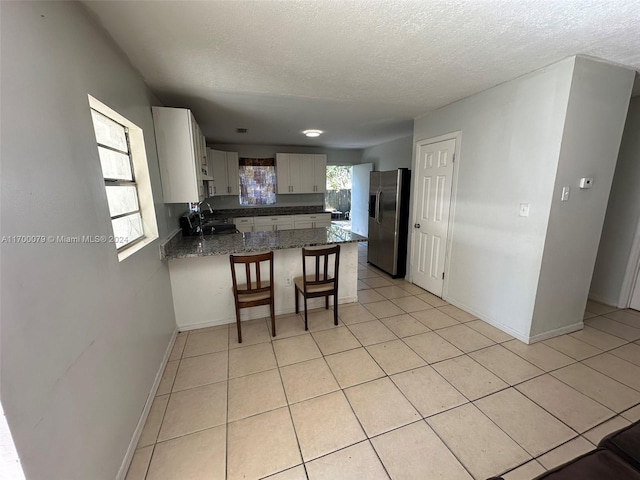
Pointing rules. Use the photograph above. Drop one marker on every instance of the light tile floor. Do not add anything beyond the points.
(407, 386)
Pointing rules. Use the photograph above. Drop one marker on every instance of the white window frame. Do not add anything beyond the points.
(138, 155)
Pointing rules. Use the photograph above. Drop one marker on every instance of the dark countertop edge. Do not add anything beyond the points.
(228, 251)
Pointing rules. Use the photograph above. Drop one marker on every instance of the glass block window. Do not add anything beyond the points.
(117, 169)
(257, 181)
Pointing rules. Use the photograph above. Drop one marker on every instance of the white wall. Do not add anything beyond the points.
(510, 144)
(390, 155)
(595, 120)
(83, 335)
(622, 217)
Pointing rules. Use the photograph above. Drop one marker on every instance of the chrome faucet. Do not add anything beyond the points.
(208, 205)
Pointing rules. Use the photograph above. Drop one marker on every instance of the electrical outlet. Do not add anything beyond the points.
(524, 209)
(287, 281)
(565, 194)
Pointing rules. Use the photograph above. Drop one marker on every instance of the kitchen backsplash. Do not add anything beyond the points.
(290, 200)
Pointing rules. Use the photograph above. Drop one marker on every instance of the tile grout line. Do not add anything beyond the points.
(323, 356)
(293, 425)
(226, 426)
(155, 443)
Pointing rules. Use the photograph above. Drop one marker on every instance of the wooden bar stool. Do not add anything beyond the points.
(256, 290)
(323, 283)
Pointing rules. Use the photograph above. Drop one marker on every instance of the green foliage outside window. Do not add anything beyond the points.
(338, 177)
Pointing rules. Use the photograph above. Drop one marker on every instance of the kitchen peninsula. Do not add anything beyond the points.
(201, 275)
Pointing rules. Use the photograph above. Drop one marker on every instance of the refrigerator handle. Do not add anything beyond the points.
(379, 210)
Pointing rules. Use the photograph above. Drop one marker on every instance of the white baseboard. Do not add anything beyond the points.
(520, 336)
(557, 332)
(126, 462)
(261, 312)
(505, 328)
(600, 299)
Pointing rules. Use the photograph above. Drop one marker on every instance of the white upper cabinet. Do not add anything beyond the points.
(181, 155)
(301, 173)
(320, 173)
(224, 165)
(288, 171)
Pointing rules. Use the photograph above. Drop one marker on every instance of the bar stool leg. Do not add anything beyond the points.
(238, 323)
(273, 318)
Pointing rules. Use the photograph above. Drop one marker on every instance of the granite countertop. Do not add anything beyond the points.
(201, 246)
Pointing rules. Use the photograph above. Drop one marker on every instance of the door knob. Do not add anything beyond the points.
(416, 225)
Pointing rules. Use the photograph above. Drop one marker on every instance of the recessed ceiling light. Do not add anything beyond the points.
(312, 133)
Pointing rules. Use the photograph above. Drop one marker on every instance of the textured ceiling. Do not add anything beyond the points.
(359, 70)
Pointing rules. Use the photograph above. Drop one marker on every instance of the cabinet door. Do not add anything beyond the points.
(284, 224)
(323, 220)
(265, 224)
(296, 173)
(303, 224)
(282, 173)
(220, 172)
(233, 177)
(244, 224)
(305, 164)
(209, 163)
(178, 168)
(320, 173)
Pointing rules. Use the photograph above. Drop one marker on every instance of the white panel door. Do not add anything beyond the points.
(360, 198)
(431, 199)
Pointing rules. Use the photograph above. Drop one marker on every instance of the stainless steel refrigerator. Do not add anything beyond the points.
(388, 220)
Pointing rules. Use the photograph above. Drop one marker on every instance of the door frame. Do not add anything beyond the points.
(457, 136)
(632, 273)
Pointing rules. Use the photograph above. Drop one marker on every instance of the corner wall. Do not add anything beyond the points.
(597, 110)
(390, 155)
(622, 217)
(83, 335)
(508, 154)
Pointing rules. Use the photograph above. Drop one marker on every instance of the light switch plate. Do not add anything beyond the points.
(524, 210)
(565, 194)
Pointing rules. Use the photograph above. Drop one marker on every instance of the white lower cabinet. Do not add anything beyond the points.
(244, 224)
(312, 221)
(282, 222)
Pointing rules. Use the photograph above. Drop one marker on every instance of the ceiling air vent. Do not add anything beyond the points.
(241, 130)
